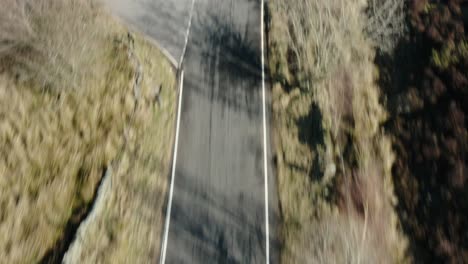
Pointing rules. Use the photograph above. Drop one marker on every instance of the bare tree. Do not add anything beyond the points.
(322, 33)
(310, 36)
(386, 23)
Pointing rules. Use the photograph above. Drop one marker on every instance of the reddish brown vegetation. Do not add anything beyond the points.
(426, 83)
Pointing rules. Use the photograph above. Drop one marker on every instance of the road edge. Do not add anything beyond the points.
(187, 34)
(162, 257)
(132, 28)
(265, 147)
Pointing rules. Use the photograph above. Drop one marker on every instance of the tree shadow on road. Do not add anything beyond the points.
(230, 61)
(217, 228)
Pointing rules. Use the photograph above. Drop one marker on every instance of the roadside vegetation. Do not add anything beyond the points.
(369, 106)
(334, 157)
(83, 103)
(426, 83)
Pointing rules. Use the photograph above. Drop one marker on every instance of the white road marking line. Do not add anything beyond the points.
(187, 35)
(265, 167)
(162, 259)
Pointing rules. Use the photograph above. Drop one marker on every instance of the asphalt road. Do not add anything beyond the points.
(163, 20)
(218, 201)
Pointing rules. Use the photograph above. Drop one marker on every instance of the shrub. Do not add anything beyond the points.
(431, 136)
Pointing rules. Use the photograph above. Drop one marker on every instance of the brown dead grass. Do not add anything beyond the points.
(67, 110)
(129, 225)
(52, 44)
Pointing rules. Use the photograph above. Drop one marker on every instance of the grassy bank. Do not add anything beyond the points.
(128, 227)
(79, 98)
(334, 158)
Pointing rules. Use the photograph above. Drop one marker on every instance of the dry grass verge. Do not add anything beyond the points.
(52, 44)
(334, 161)
(128, 227)
(68, 109)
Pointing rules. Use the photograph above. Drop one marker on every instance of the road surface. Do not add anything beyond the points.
(162, 20)
(218, 201)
